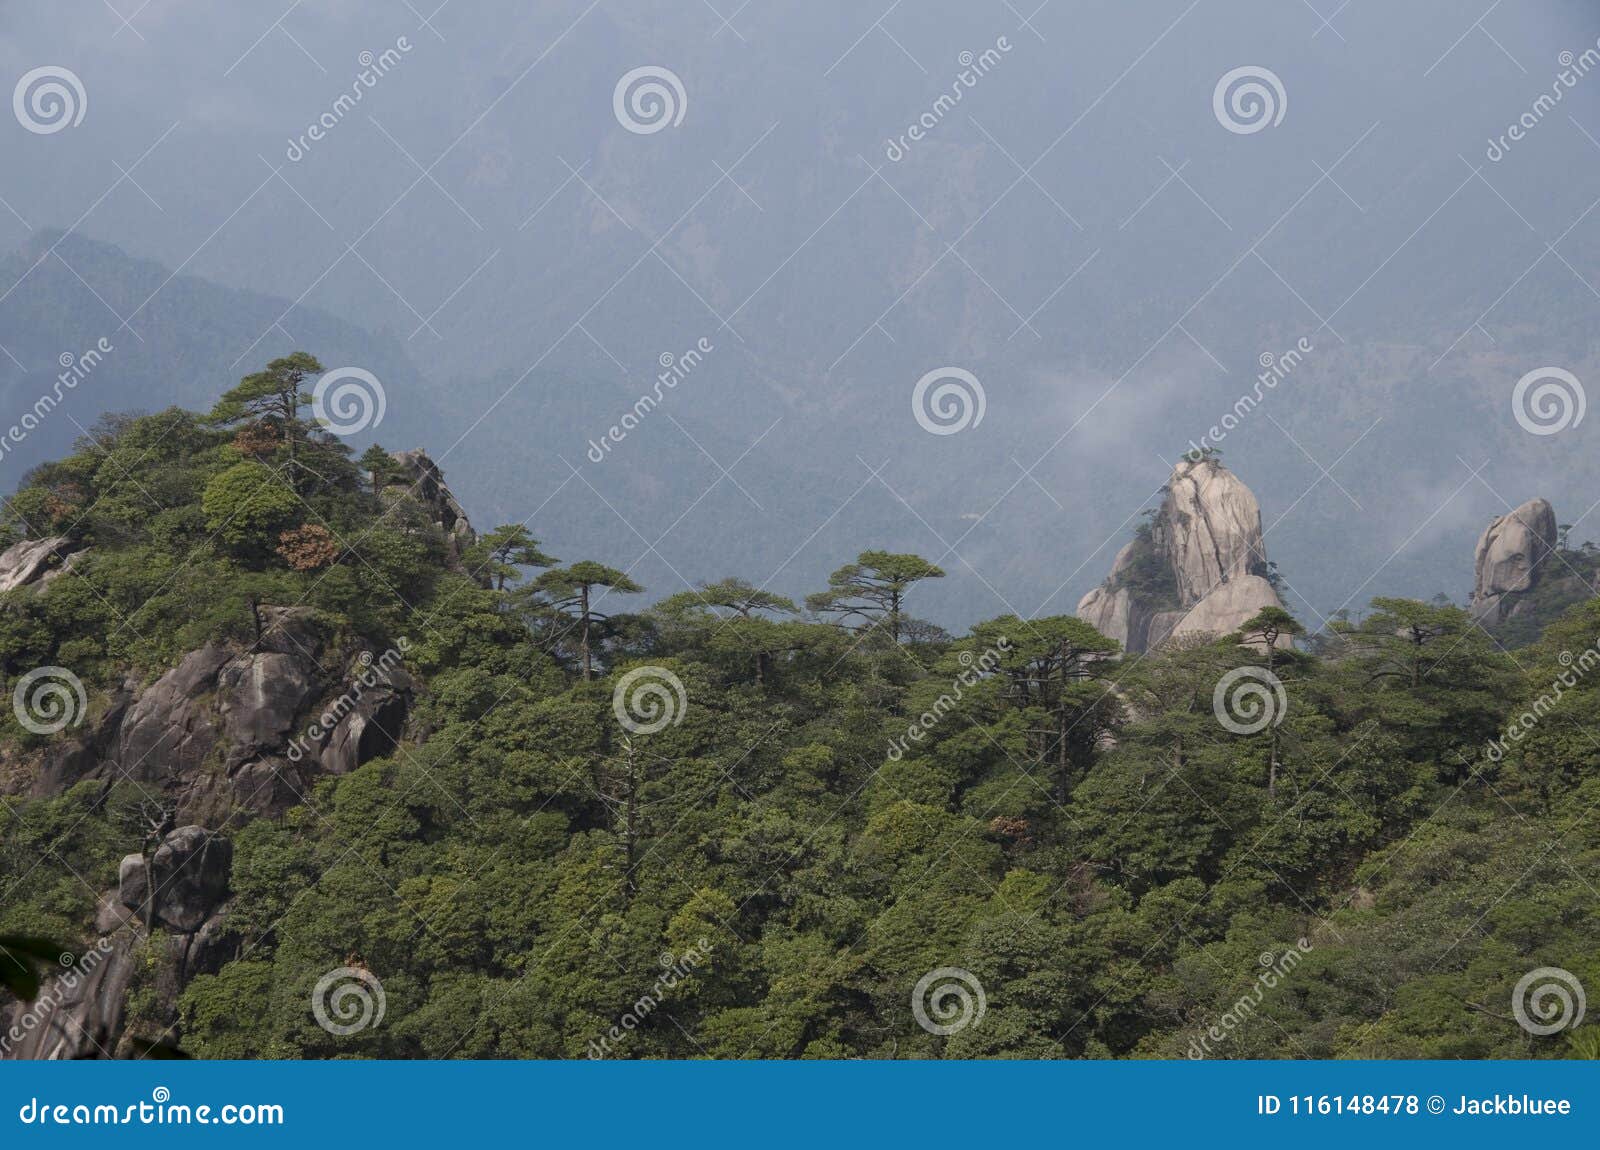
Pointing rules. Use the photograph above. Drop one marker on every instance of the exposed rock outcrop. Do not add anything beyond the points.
(231, 729)
(1198, 567)
(1228, 605)
(425, 482)
(182, 883)
(251, 730)
(1111, 608)
(237, 727)
(79, 1010)
(1211, 529)
(1511, 558)
(34, 561)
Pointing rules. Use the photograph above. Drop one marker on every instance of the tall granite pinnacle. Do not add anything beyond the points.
(1197, 567)
(1511, 558)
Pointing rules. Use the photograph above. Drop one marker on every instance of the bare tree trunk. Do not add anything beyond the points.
(583, 594)
(631, 886)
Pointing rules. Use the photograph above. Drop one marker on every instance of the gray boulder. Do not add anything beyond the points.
(1511, 556)
(33, 560)
(79, 1011)
(169, 730)
(1210, 529)
(187, 878)
(1228, 606)
(260, 697)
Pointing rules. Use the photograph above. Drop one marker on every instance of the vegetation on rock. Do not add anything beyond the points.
(1078, 831)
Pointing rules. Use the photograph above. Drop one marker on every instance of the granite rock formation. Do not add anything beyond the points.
(1198, 567)
(1511, 559)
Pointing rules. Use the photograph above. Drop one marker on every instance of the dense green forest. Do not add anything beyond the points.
(797, 810)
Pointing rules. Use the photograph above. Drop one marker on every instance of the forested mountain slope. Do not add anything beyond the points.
(283, 716)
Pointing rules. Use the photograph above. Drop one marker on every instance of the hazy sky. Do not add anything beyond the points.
(1094, 233)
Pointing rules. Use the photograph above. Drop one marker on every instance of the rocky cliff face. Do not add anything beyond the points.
(243, 728)
(422, 480)
(1198, 567)
(233, 730)
(166, 922)
(1524, 579)
(1511, 559)
(230, 732)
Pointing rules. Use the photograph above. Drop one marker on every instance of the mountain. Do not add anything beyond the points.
(301, 765)
(64, 301)
(1080, 234)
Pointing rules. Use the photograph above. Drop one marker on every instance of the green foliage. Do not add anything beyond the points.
(21, 960)
(501, 554)
(248, 503)
(872, 590)
(275, 394)
(840, 803)
(379, 467)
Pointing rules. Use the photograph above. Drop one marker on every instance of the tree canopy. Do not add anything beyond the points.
(826, 806)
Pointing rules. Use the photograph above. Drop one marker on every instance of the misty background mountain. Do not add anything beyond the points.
(482, 234)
